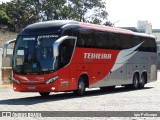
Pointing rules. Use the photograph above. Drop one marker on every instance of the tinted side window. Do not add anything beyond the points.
(81, 38)
(113, 41)
(104, 39)
(125, 41)
(136, 40)
(97, 42)
(65, 52)
(145, 45)
(152, 45)
(75, 32)
(88, 39)
(68, 32)
(148, 45)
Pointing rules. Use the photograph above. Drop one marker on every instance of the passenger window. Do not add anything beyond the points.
(125, 41)
(65, 52)
(152, 45)
(113, 38)
(104, 40)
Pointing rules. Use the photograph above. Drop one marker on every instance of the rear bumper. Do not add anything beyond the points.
(34, 88)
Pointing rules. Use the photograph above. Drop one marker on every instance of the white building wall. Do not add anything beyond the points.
(9, 52)
(148, 29)
(157, 35)
(142, 24)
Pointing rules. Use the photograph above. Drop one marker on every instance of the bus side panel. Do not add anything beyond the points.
(129, 74)
(64, 80)
(110, 79)
(73, 77)
(144, 62)
(97, 72)
(153, 73)
(107, 79)
(122, 75)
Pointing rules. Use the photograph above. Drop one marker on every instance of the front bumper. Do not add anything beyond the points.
(35, 87)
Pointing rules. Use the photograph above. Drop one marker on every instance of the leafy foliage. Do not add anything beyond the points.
(108, 23)
(4, 19)
(21, 13)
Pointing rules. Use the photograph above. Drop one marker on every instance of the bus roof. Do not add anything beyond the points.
(49, 26)
(113, 29)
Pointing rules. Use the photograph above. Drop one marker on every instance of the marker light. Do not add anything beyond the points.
(52, 79)
(53, 88)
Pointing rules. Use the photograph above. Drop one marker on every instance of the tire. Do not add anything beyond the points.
(135, 84)
(142, 81)
(107, 88)
(44, 94)
(81, 87)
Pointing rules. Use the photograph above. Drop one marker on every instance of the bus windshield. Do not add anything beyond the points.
(34, 54)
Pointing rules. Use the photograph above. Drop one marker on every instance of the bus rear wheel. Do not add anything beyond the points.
(81, 87)
(142, 81)
(135, 84)
(44, 94)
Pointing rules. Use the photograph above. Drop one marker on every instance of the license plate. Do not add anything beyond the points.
(31, 87)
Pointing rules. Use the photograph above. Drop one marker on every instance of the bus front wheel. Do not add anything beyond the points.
(81, 87)
(44, 94)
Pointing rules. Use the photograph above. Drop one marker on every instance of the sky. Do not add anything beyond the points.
(126, 13)
(4, 1)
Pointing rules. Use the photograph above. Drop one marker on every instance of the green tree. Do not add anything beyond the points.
(24, 12)
(4, 19)
(47, 10)
(53, 9)
(19, 15)
(109, 23)
(93, 11)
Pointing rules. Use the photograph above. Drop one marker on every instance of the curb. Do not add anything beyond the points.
(5, 86)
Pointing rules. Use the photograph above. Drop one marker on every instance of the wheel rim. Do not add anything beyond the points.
(135, 82)
(81, 87)
(142, 80)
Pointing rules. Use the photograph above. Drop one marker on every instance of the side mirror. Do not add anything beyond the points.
(56, 45)
(58, 42)
(6, 45)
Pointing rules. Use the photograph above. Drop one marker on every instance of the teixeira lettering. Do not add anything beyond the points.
(97, 56)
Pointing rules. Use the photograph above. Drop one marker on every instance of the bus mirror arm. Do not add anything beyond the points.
(57, 44)
(55, 50)
(6, 45)
(55, 53)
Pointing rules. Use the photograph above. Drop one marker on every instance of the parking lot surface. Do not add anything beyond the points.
(120, 99)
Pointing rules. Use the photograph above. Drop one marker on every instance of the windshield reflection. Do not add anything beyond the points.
(34, 54)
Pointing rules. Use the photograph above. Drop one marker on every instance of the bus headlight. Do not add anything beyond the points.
(15, 80)
(52, 79)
